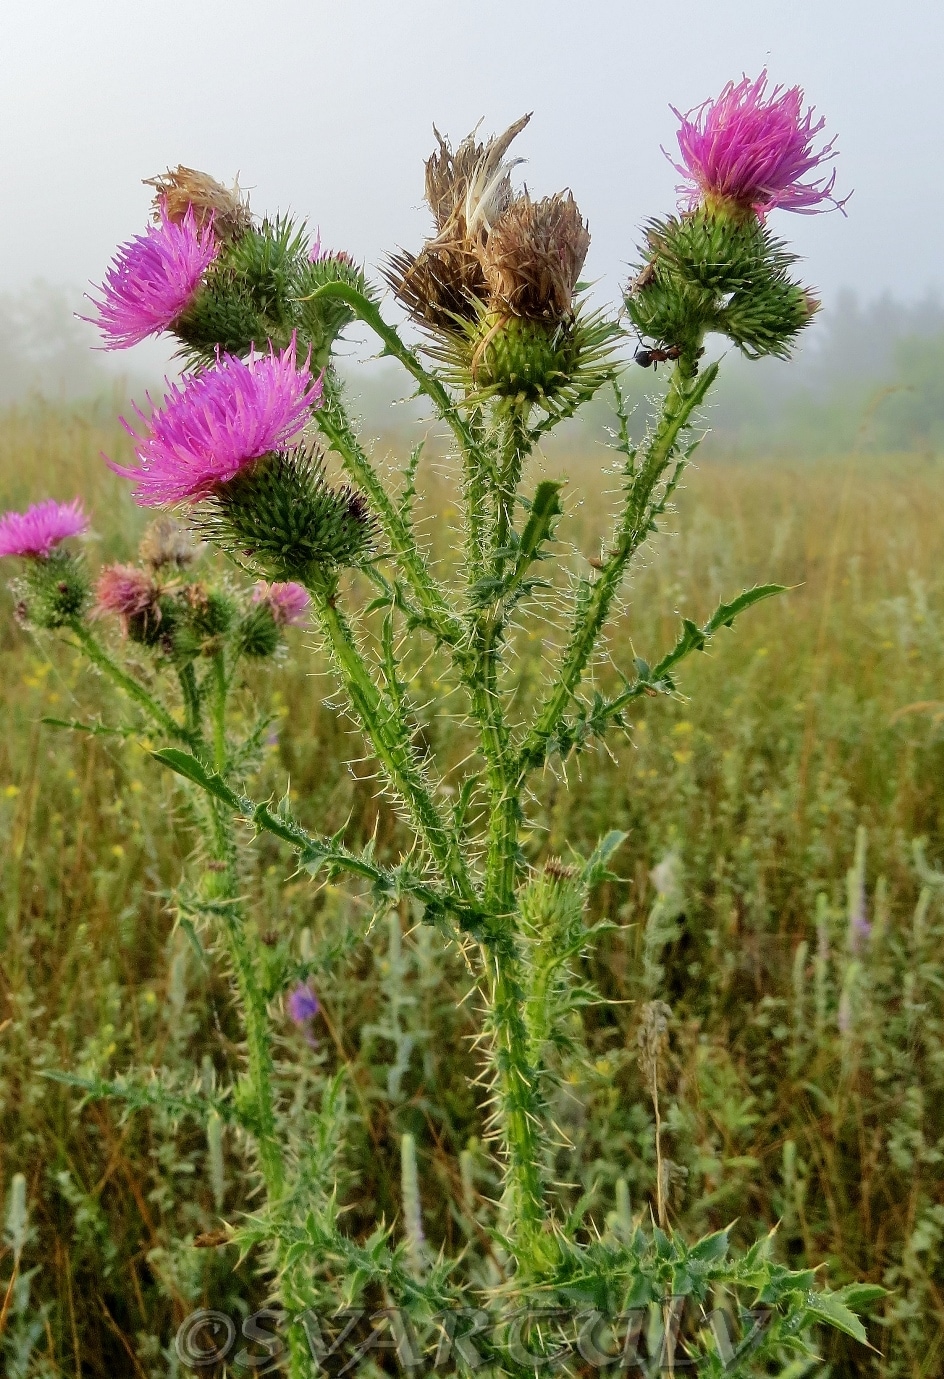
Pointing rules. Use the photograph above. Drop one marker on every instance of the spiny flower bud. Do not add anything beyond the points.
(281, 513)
(181, 189)
(533, 256)
(53, 591)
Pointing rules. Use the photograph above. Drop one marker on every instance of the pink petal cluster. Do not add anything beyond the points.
(318, 255)
(38, 530)
(288, 602)
(152, 280)
(126, 591)
(754, 149)
(217, 422)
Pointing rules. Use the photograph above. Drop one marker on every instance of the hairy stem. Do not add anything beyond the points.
(384, 726)
(686, 391)
(334, 425)
(132, 687)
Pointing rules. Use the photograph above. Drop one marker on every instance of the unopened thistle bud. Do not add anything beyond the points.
(275, 607)
(180, 189)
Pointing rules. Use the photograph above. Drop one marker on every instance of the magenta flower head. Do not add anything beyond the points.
(303, 1004)
(152, 280)
(216, 423)
(751, 150)
(41, 528)
(288, 602)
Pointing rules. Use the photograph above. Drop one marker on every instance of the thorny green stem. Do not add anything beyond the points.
(221, 886)
(519, 1110)
(686, 391)
(386, 730)
(191, 697)
(132, 687)
(220, 691)
(336, 428)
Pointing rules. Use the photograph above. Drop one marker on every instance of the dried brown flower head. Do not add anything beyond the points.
(533, 256)
(166, 543)
(180, 187)
(467, 191)
(558, 870)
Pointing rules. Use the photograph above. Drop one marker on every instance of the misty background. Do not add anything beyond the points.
(326, 111)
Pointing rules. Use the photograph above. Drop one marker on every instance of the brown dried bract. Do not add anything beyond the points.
(179, 188)
(533, 256)
(166, 543)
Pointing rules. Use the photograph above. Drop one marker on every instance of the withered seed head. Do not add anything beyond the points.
(180, 187)
(533, 256)
(471, 186)
(165, 543)
(439, 284)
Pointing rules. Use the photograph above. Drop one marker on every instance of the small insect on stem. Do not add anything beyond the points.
(649, 358)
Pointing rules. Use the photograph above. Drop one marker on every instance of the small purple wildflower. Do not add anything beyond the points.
(38, 530)
(752, 149)
(303, 1004)
(317, 254)
(288, 602)
(216, 423)
(152, 280)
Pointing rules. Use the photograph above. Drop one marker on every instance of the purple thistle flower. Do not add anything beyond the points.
(216, 423)
(38, 530)
(152, 280)
(128, 592)
(303, 1004)
(752, 149)
(288, 602)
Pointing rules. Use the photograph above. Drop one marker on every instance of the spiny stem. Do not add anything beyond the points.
(223, 886)
(518, 1102)
(335, 426)
(132, 687)
(389, 736)
(686, 391)
(220, 691)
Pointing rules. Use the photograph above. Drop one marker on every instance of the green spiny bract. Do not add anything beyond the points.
(706, 272)
(52, 592)
(555, 365)
(258, 292)
(281, 514)
(767, 317)
(258, 635)
(716, 252)
(320, 321)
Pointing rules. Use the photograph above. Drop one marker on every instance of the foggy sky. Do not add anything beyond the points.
(326, 109)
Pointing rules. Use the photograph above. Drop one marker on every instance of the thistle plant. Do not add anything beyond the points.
(256, 451)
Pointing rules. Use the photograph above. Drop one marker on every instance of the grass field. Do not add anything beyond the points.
(790, 923)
